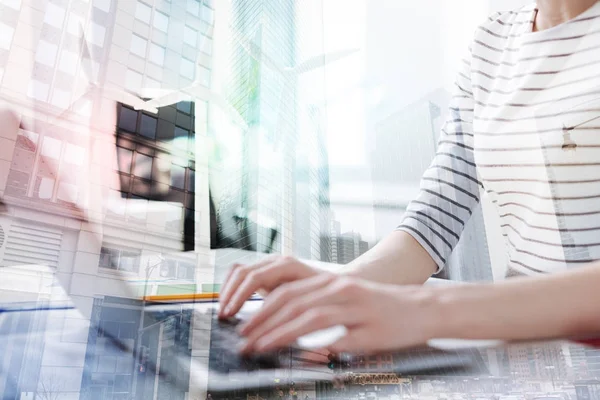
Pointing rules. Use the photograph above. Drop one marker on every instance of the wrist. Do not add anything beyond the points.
(450, 315)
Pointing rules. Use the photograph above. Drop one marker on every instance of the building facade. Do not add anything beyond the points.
(81, 169)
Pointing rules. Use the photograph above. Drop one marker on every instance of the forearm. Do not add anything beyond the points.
(397, 259)
(553, 306)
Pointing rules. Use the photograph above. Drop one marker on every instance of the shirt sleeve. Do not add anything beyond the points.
(449, 189)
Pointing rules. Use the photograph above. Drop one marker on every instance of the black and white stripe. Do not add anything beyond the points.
(519, 92)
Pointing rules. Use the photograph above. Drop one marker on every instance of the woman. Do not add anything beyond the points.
(524, 127)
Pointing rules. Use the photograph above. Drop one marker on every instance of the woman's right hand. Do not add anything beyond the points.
(262, 277)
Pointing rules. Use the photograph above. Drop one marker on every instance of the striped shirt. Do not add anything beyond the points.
(524, 127)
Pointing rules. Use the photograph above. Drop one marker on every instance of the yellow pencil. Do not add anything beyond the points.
(187, 297)
(182, 297)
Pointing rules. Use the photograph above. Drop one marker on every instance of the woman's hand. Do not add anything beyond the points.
(264, 276)
(378, 317)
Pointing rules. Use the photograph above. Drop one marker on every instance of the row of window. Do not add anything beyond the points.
(160, 21)
(178, 129)
(129, 261)
(155, 169)
(134, 208)
(55, 166)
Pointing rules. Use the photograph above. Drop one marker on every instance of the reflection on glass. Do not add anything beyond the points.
(181, 138)
(143, 166)
(51, 148)
(184, 106)
(148, 126)
(128, 119)
(124, 158)
(177, 176)
(43, 188)
(156, 54)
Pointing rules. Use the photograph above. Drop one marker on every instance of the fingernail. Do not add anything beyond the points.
(227, 311)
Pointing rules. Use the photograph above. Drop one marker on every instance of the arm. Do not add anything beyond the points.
(565, 305)
(380, 263)
(553, 306)
(434, 221)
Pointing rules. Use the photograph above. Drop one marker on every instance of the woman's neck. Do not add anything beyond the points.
(555, 12)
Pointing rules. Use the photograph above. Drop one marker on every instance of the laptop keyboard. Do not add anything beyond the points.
(224, 353)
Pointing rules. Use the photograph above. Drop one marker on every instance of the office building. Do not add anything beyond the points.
(543, 362)
(585, 362)
(350, 246)
(283, 179)
(66, 209)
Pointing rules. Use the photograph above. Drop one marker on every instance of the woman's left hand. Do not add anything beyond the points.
(378, 317)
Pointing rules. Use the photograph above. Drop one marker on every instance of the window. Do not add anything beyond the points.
(156, 54)
(191, 183)
(68, 62)
(74, 24)
(143, 12)
(185, 270)
(148, 126)
(187, 68)
(133, 80)
(190, 36)
(193, 7)
(178, 269)
(185, 106)
(207, 14)
(177, 176)
(161, 21)
(51, 148)
(204, 76)
(44, 187)
(6, 36)
(124, 159)
(106, 364)
(120, 260)
(128, 119)
(181, 138)
(206, 46)
(54, 15)
(143, 166)
(46, 53)
(74, 155)
(138, 46)
(96, 34)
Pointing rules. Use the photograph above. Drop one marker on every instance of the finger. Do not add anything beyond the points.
(310, 321)
(234, 266)
(268, 276)
(289, 300)
(357, 340)
(236, 277)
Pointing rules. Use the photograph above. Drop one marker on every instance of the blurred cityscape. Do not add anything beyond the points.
(122, 121)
